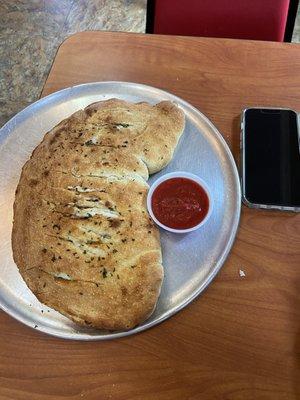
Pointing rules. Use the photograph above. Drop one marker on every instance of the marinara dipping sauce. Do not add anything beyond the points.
(179, 203)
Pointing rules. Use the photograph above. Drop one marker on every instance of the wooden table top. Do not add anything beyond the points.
(241, 338)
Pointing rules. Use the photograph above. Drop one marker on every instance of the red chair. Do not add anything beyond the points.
(241, 19)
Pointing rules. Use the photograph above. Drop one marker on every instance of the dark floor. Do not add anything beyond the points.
(32, 30)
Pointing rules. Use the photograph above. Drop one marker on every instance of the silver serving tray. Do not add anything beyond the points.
(190, 261)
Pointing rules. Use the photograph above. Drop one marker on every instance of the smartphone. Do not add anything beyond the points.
(270, 154)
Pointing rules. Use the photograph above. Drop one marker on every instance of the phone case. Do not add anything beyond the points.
(242, 163)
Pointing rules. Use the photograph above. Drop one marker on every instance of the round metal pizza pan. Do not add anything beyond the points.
(190, 261)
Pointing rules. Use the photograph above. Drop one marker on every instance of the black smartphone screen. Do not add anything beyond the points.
(272, 157)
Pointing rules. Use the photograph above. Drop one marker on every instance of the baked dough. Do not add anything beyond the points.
(82, 237)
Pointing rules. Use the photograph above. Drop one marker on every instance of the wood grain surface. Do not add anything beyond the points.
(240, 340)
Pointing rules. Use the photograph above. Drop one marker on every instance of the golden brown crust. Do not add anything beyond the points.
(82, 238)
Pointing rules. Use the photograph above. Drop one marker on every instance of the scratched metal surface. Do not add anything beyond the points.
(191, 261)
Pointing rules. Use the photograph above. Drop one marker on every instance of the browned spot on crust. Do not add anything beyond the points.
(114, 223)
(33, 182)
(124, 291)
(90, 111)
